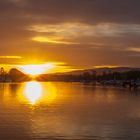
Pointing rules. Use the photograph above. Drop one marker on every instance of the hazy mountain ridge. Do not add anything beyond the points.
(100, 71)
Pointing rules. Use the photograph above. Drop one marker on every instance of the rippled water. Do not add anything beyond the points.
(68, 111)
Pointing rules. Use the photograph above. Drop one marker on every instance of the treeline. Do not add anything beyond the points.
(91, 77)
(125, 76)
(65, 78)
(15, 75)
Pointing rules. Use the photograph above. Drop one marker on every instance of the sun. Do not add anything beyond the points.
(33, 70)
(36, 69)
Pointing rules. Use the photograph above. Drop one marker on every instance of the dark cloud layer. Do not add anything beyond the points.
(91, 11)
(106, 30)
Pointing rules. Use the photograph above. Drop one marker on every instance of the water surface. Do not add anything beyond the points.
(68, 111)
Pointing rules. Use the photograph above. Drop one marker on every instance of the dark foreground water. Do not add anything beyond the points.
(66, 111)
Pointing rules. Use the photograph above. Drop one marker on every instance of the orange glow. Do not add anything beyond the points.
(52, 40)
(10, 57)
(106, 66)
(36, 68)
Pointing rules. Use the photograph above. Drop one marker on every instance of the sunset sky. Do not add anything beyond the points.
(72, 34)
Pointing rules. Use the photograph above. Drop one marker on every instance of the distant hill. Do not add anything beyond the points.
(92, 75)
(18, 76)
(15, 71)
(100, 71)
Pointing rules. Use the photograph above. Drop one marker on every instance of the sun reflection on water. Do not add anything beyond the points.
(33, 92)
(30, 93)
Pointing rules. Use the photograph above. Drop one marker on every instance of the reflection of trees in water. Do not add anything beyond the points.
(8, 90)
(13, 89)
(2, 89)
(134, 92)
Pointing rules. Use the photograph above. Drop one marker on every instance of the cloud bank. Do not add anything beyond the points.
(82, 33)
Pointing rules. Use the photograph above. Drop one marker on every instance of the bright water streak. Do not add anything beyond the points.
(73, 111)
